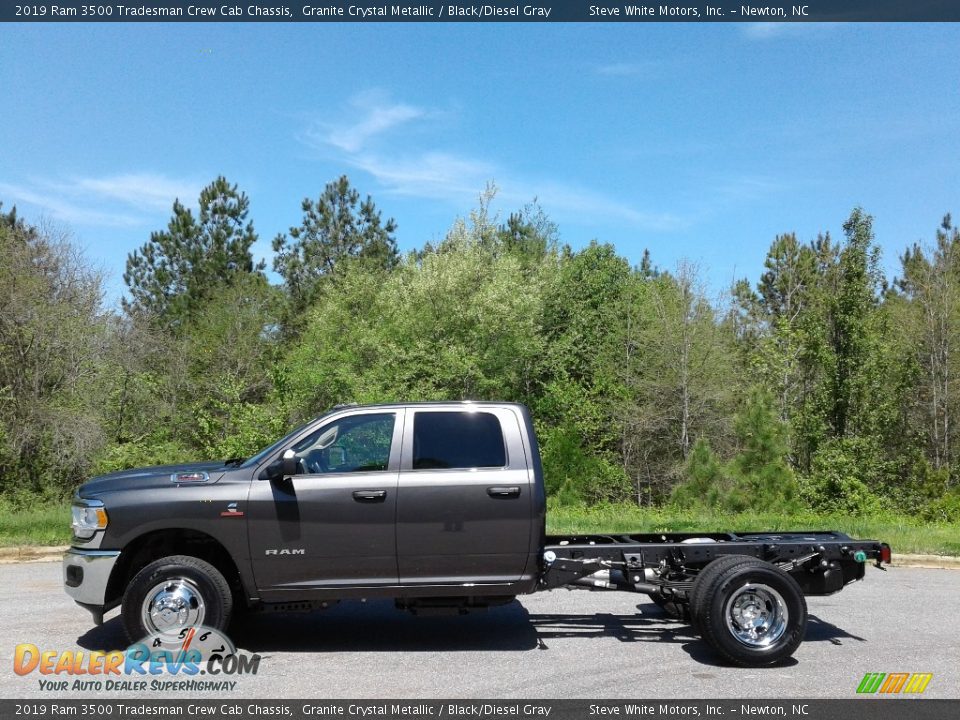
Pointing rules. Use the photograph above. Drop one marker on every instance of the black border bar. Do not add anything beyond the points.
(227, 708)
(479, 11)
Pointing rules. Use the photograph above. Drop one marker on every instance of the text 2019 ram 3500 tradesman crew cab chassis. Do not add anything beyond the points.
(438, 505)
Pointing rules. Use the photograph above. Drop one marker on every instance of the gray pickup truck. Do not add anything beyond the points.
(440, 506)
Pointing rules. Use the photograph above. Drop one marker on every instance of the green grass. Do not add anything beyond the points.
(904, 534)
(49, 524)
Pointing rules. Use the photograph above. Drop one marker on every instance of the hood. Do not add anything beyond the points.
(157, 475)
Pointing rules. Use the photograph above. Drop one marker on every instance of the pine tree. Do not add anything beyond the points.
(762, 476)
(172, 275)
(336, 227)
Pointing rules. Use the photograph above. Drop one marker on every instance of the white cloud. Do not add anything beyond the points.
(139, 189)
(66, 210)
(769, 30)
(580, 202)
(626, 69)
(377, 121)
(121, 200)
(359, 141)
(746, 187)
(760, 30)
(430, 174)
(369, 115)
(370, 140)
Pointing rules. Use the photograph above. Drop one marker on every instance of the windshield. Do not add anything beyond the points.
(269, 450)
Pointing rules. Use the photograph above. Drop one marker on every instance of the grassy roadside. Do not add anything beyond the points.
(904, 534)
(50, 525)
(47, 524)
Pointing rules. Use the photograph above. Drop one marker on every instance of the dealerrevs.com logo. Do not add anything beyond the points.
(894, 683)
(169, 661)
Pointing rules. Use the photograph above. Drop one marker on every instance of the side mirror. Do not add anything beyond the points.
(289, 462)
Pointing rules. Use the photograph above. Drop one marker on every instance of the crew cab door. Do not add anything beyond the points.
(464, 513)
(332, 524)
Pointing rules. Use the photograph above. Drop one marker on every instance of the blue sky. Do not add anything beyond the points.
(700, 142)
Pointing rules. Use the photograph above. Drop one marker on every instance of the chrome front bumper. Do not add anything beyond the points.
(86, 574)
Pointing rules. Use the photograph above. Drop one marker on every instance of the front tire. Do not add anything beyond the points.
(175, 592)
(750, 612)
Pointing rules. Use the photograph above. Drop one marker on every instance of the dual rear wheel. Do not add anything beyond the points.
(751, 612)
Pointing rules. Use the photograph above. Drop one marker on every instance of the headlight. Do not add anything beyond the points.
(88, 517)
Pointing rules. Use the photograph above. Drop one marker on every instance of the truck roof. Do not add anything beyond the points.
(431, 403)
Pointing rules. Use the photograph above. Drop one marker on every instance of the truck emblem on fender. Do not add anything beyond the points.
(285, 551)
(232, 511)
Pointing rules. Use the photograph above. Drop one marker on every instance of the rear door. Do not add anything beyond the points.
(331, 525)
(464, 506)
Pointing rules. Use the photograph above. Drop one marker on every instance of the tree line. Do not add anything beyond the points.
(825, 385)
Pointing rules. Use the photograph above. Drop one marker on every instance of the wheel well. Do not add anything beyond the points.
(154, 545)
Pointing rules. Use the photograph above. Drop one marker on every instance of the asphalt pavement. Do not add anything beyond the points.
(560, 644)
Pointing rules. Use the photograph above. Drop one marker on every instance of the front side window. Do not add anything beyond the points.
(457, 440)
(358, 443)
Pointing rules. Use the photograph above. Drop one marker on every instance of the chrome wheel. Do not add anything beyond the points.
(756, 615)
(171, 605)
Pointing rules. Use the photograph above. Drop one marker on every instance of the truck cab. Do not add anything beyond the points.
(434, 503)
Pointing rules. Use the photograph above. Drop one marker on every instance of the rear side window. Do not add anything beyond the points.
(457, 440)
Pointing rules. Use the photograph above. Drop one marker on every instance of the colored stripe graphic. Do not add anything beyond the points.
(918, 682)
(894, 683)
(870, 682)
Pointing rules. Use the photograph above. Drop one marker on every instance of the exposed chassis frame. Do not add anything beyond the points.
(821, 561)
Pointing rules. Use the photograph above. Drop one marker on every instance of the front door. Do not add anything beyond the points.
(332, 524)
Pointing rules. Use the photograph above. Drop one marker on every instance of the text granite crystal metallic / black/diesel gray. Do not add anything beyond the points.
(440, 506)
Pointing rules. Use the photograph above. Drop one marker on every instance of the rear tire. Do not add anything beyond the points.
(176, 592)
(705, 577)
(750, 612)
